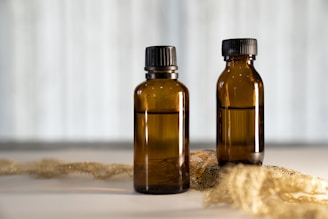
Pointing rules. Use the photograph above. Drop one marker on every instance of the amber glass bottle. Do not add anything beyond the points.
(240, 105)
(161, 126)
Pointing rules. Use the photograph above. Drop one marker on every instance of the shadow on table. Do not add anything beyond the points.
(71, 184)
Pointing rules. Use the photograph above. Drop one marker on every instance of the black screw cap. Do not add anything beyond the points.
(161, 58)
(242, 46)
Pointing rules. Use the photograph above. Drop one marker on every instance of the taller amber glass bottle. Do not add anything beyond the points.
(240, 105)
(161, 126)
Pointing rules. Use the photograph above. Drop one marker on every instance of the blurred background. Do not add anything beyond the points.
(68, 68)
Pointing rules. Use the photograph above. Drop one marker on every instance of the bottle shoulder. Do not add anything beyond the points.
(161, 96)
(245, 75)
(240, 88)
(161, 85)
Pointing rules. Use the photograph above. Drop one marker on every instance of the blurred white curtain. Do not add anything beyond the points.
(68, 68)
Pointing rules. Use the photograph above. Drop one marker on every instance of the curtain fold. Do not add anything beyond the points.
(68, 68)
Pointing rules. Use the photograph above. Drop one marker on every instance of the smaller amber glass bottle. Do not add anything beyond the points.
(161, 126)
(240, 105)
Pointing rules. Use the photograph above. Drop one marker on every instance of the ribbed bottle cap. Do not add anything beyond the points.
(161, 58)
(243, 46)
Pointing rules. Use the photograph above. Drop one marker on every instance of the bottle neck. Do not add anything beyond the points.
(240, 59)
(161, 74)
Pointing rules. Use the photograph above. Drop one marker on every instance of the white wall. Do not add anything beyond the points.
(68, 67)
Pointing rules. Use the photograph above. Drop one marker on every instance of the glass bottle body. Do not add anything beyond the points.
(161, 137)
(240, 113)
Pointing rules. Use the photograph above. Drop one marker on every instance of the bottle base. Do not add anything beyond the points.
(249, 159)
(161, 189)
(234, 162)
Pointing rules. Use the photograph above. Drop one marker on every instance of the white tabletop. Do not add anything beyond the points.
(81, 196)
